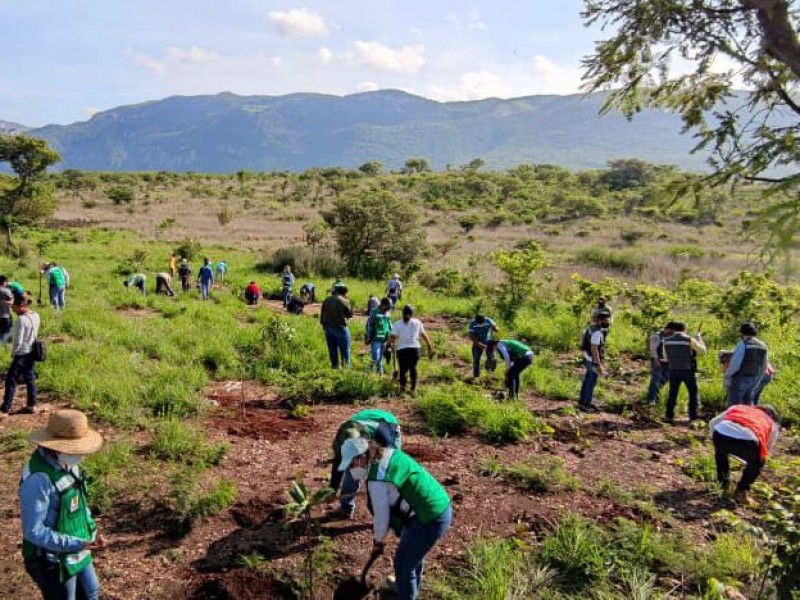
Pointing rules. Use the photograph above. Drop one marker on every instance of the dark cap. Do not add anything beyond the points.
(748, 329)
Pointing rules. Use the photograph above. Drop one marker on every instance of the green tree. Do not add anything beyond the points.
(374, 230)
(77, 182)
(31, 199)
(372, 167)
(120, 194)
(518, 266)
(738, 97)
(416, 165)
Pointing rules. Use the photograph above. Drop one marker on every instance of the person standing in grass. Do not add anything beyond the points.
(394, 289)
(22, 362)
(659, 366)
(222, 270)
(378, 330)
(405, 338)
(206, 278)
(173, 265)
(57, 281)
(404, 497)
(185, 273)
(747, 367)
(602, 308)
(681, 351)
(137, 280)
(480, 332)
(370, 424)
(334, 315)
(749, 433)
(517, 357)
(6, 301)
(164, 284)
(287, 284)
(58, 532)
(593, 345)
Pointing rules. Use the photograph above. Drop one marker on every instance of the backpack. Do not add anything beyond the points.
(381, 327)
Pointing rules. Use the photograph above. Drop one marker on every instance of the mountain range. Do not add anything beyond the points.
(225, 133)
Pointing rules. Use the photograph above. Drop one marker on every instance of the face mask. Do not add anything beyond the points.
(358, 473)
(604, 330)
(69, 460)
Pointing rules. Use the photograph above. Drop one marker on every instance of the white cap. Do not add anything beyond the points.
(352, 448)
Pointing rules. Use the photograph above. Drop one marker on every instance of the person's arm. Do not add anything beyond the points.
(381, 509)
(347, 310)
(18, 336)
(736, 361)
(764, 365)
(594, 346)
(34, 499)
(773, 437)
(655, 342)
(503, 350)
(426, 337)
(697, 344)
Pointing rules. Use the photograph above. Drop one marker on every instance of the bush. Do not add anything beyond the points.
(188, 502)
(303, 260)
(625, 261)
(188, 249)
(108, 473)
(578, 550)
(540, 476)
(687, 251)
(176, 441)
(120, 194)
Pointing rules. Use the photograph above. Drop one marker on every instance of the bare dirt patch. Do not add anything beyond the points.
(239, 584)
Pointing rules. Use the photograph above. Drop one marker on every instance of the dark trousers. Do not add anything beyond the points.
(514, 372)
(251, 297)
(162, 287)
(687, 377)
(477, 352)
(747, 450)
(21, 364)
(185, 285)
(407, 359)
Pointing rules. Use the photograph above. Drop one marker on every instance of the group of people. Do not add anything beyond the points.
(207, 274)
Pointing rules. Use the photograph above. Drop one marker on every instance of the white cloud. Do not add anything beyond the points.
(551, 78)
(408, 59)
(299, 22)
(473, 86)
(324, 55)
(475, 22)
(368, 86)
(174, 57)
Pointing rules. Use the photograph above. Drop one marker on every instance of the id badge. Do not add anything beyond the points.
(74, 504)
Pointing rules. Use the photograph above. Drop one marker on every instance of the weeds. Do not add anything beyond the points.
(174, 440)
(15, 440)
(540, 476)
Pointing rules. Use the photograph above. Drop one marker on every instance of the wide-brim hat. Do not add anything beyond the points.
(68, 432)
(352, 448)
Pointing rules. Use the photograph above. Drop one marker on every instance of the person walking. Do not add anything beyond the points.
(333, 315)
(222, 270)
(137, 280)
(378, 330)
(749, 433)
(659, 367)
(57, 283)
(6, 301)
(58, 532)
(252, 293)
(517, 357)
(681, 350)
(173, 265)
(747, 367)
(480, 332)
(23, 357)
(394, 289)
(164, 284)
(185, 273)
(369, 424)
(593, 345)
(405, 338)
(403, 496)
(206, 278)
(287, 284)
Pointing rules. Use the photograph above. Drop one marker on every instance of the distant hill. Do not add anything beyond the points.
(227, 133)
(9, 127)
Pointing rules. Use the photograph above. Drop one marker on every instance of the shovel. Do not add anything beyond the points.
(355, 589)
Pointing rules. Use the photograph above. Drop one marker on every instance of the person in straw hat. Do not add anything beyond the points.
(58, 532)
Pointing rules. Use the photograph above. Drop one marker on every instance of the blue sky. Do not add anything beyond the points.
(61, 62)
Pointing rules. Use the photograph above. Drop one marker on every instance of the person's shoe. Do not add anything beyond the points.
(589, 408)
(341, 514)
(28, 410)
(669, 420)
(743, 498)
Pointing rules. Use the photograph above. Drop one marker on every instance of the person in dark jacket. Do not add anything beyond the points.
(681, 350)
(747, 367)
(334, 316)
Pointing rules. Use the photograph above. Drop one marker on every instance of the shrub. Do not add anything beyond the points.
(303, 260)
(578, 550)
(625, 261)
(224, 216)
(542, 475)
(701, 467)
(14, 440)
(686, 251)
(188, 502)
(176, 441)
(120, 194)
(188, 249)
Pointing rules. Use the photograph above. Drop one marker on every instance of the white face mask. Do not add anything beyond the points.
(358, 473)
(69, 461)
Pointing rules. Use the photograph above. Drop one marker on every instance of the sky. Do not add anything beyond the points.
(62, 62)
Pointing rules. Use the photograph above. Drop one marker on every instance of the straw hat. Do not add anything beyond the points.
(68, 431)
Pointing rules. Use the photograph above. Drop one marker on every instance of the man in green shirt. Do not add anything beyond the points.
(517, 357)
(137, 280)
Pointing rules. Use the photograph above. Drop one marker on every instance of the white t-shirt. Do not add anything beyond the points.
(407, 334)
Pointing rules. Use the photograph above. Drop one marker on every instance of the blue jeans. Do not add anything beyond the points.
(477, 352)
(760, 388)
(21, 364)
(742, 390)
(338, 339)
(44, 572)
(205, 288)
(589, 383)
(659, 375)
(376, 354)
(5, 330)
(350, 488)
(409, 559)
(286, 295)
(57, 296)
(514, 372)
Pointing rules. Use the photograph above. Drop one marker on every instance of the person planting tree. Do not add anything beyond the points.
(480, 332)
(405, 338)
(137, 280)
(517, 357)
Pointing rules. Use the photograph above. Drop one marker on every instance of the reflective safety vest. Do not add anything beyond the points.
(756, 420)
(586, 340)
(418, 489)
(755, 352)
(678, 349)
(74, 517)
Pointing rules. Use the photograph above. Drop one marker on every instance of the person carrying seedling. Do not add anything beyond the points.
(137, 280)
(749, 433)
(206, 278)
(480, 332)
(378, 330)
(287, 283)
(681, 350)
(517, 357)
(405, 338)
(394, 289)
(252, 293)
(593, 345)
(334, 315)
(222, 270)
(659, 367)
(404, 497)
(368, 424)
(185, 273)
(747, 367)
(58, 532)
(164, 284)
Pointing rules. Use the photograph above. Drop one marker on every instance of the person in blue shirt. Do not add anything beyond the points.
(287, 281)
(222, 269)
(480, 332)
(206, 278)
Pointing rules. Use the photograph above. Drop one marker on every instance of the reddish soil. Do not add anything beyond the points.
(239, 584)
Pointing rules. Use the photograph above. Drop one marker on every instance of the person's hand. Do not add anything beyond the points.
(603, 370)
(98, 544)
(482, 346)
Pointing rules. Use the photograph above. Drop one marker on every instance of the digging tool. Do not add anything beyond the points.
(39, 299)
(371, 561)
(395, 372)
(355, 589)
